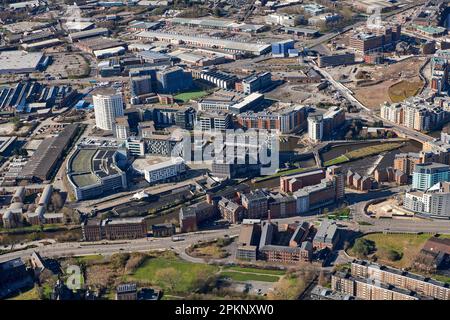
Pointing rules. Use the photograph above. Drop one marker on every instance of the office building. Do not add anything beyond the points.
(192, 216)
(162, 145)
(247, 244)
(254, 83)
(95, 171)
(160, 169)
(281, 49)
(375, 38)
(135, 147)
(173, 80)
(230, 210)
(108, 105)
(213, 121)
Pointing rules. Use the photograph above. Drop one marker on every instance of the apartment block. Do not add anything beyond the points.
(401, 279)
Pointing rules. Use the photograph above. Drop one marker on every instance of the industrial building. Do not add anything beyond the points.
(207, 42)
(44, 160)
(20, 62)
(281, 49)
(215, 24)
(76, 36)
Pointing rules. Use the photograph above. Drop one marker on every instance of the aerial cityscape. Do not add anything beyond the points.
(224, 150)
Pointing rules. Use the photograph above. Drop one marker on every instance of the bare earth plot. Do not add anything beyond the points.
(393, 83)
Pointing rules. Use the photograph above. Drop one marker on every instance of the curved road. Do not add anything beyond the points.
(67, 249)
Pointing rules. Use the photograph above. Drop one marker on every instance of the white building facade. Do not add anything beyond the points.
(107, 108)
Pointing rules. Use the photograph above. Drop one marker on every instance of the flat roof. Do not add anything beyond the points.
(227, 44)
(18, 60)
(88, 166)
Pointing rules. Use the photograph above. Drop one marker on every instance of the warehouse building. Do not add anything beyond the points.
(20, 61)
(197, 41)
(76, 36)
(43, 162)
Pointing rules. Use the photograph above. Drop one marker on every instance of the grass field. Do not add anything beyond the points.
(408, 245)
(403, 90)
(186, 96)
(442, 278)
(364, 152)
(256, 270)
(340, 159)
(239, 276)
(187, 272)
(372, 150)
(94, 257)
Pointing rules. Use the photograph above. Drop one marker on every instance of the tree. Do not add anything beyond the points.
(70, 216)
(216, 12)
(167, 278)
(119, 260)
(57, 201)
(287, 288)
(393, 255)
(363, 247)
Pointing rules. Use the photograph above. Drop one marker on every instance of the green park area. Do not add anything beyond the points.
(186, 96)
(173, 274)
(252, 274)
(363, 152)
(397, 250)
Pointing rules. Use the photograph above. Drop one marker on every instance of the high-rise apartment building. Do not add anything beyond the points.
(426, 175)
(315, 127)
(108, 105)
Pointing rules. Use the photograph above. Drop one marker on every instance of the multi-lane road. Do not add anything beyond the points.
(66, 249)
